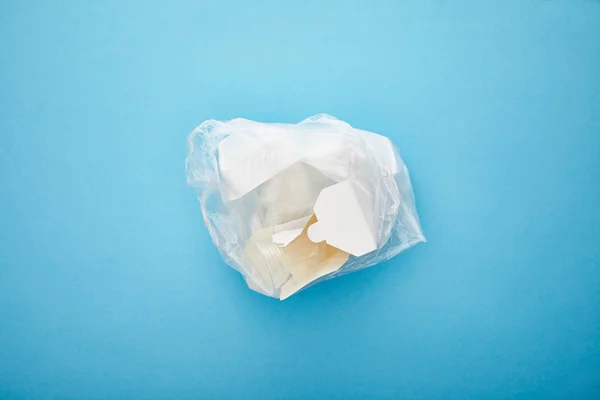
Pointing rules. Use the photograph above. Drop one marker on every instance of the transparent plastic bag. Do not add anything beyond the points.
(290, 205)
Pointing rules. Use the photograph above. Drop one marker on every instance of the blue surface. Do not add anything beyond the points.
(109, 284)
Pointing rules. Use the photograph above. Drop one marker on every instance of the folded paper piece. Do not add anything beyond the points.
(345, 218)
(291, 205)
(285, 233)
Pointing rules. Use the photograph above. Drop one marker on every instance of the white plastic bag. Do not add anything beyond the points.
(291, 205)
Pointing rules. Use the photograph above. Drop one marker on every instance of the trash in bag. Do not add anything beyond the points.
(290, 205)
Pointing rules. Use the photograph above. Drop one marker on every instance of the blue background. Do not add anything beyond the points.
(109, 284)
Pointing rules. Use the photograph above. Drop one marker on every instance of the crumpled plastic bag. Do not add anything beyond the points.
(290, 205)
